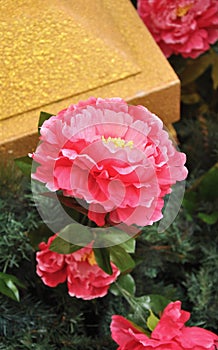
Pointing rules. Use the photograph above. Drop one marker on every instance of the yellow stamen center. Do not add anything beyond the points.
(118, 142)
(90, 257)
(182, 11)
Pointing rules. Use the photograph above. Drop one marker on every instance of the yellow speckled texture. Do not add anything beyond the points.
(57, 52)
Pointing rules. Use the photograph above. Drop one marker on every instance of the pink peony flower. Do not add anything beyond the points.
(185, 27)
(114, 156)
(170, 333)
(51, 266)
(85, 279)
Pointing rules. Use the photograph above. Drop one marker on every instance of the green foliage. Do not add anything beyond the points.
(102, 257)
(8, 286)
(152, 321)
(59, 245)
(121, 258)
(124, 282)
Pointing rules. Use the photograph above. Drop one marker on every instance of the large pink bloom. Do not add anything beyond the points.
(170, 333)
(114, 156)
(85, 279)
(185, 27)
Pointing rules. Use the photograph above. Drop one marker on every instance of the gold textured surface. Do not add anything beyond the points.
(57, 52)
(48, 54)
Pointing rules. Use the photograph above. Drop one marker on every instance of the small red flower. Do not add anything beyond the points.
(85, 279)
(51, 266)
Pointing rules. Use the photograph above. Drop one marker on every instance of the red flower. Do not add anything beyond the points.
(51, 266)
(85, 279)
(170, 333)
(185, 27)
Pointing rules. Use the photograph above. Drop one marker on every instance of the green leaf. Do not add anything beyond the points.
(204, 188)
(121, 258)
(43, 116)
(158, 303)
(8, 287)
(124, 282)
(190, 201)
(7, 291)
(42, 233)
(112, 236)
(77, 234)
(24, 164)
(210, 219)
(129, 245)
(152, 321)
(208, 186)
(143, 305)
(102, 257)
(10, 284)
(5, 276)
(59, 245)
(154, 302)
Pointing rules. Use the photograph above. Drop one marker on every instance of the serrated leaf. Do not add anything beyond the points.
(24, 164)
(43, 117)
(124, 282)
(102, 257)
(152, 321)
(59, 245)
(121, 258)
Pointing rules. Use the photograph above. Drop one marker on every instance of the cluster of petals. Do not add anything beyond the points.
(186, 27)
(85, 279)
(114, 156)
(169, 334)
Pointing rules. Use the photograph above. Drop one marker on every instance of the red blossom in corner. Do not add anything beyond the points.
(169, 334)
(186, 27)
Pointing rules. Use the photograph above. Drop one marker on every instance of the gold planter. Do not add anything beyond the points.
(57, 52)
